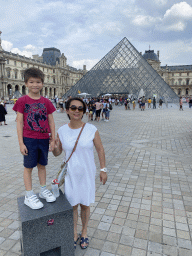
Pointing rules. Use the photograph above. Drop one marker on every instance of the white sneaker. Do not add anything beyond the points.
(48, 196)
(33, 202)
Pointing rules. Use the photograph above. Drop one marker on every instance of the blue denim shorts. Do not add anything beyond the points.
(37, 152)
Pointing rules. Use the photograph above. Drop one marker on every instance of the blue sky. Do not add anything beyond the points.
(86, 30)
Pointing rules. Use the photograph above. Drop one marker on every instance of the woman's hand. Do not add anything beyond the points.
(103, 177)
(52, 145)
(57, 150)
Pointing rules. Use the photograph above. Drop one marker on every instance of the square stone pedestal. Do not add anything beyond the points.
(47, 231)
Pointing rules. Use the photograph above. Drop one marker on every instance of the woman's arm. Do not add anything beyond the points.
(101, 154)
(58, 147)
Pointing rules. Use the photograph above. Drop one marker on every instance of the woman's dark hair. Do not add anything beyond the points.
(68, 103)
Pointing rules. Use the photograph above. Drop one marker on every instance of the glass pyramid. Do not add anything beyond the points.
(123, 70)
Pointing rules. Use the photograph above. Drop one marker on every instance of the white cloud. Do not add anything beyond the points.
(176, 18)
(28, 51)
(30, 47)
(7, 46)
(109, 28)
(24, 53)
(143, 21)
(179, 26)
(180, 10)
(161, 2)
(88, 62)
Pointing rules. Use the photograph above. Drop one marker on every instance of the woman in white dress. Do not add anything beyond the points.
(81, 170)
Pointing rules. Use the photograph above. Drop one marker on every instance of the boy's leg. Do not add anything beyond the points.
(27, 178)
(42, 174)
(44, 193)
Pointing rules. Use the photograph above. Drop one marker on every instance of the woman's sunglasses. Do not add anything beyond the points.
(74, 108)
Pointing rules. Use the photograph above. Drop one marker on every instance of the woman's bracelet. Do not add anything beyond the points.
(104, 169)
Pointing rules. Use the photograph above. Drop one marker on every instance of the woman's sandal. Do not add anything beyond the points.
(84, 240)
(75, 242)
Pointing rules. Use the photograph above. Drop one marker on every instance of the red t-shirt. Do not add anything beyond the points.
(35, 116)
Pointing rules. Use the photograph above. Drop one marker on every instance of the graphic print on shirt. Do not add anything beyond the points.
(36, 116)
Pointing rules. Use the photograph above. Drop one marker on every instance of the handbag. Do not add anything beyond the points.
(63, 169)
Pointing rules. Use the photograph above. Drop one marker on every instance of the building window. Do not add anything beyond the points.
(180, 81)
(7, 61)
(21, 64)
(187, 91)
(54, 80)
(22, 75)
(8, 74)
(27, 65)
(15, 74)
(187, 82)
(179, 91)
(15, 63)
(172, 74)
(53, 70)
(187, 74)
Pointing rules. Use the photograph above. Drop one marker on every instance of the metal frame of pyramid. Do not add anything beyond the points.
(123, 70)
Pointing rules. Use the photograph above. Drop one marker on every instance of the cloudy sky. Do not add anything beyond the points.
(86, 30)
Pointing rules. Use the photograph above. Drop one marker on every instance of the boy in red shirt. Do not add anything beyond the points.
(34, 123)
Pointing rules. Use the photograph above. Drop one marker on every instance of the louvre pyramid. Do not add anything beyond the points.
(123, 70)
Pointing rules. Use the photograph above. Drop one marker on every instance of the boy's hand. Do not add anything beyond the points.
(103, 177)
(52, 145)
(23, 150)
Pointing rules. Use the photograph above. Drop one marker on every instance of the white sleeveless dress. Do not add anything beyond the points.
(81, 170)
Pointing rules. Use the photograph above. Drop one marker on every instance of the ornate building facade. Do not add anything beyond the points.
(59, 77)
(179, 78)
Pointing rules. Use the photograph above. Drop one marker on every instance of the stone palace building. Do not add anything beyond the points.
(179, 78)
(59, 77)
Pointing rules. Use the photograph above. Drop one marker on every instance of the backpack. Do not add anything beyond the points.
(110, 106)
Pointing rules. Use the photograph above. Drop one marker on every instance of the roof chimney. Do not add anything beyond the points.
(158, 54)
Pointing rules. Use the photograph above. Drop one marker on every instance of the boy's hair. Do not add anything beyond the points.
(33, 72)
(68, 102)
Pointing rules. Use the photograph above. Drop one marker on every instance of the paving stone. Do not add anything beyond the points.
(124, 250)
(110, 247)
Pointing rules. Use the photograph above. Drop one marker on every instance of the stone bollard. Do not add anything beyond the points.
(47, 231)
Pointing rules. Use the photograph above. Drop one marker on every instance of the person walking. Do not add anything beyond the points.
(81, 170)
(107, 110)
(134, 104)
(3, 112)
(160, 103)
(143, 103)
(98, 106)
(149, 103)
(154, 103)
(180, 103)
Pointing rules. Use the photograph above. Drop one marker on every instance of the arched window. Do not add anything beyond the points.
(45, 91)
(187, 91)
(50, 92)
(23, 90)
(179, 91)
(9, 89)
(8, 73)
(16, 88)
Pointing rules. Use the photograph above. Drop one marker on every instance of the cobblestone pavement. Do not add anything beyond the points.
(145, 208)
